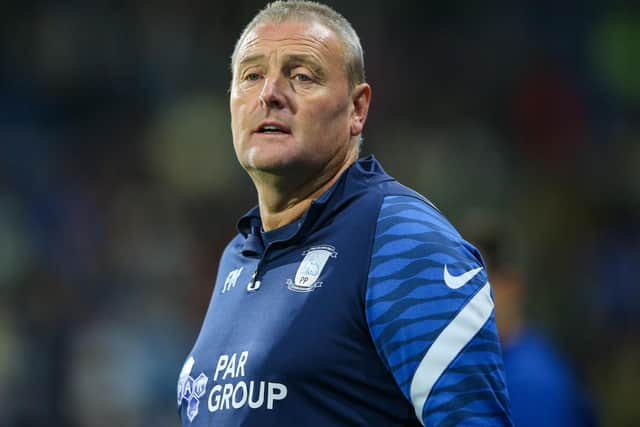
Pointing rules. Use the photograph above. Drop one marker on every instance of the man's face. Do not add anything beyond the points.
(291, 108)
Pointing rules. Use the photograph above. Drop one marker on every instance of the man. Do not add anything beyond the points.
(346, 299)
(537, 374)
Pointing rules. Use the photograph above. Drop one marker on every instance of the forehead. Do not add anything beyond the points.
(311, 38)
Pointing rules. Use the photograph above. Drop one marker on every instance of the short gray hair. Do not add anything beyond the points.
(305, 11)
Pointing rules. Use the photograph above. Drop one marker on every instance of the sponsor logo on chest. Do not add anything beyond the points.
(191, 390)
(230, 388)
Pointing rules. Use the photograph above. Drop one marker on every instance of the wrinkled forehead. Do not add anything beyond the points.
(301, 37)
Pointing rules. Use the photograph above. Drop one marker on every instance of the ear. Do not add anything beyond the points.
(361, 99)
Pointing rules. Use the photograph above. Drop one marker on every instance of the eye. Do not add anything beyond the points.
(301, 77)
(252, 76)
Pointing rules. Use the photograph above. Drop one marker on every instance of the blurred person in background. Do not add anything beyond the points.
(543, 387)
(345, 298)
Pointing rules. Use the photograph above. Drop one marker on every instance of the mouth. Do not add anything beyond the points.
(273, 128)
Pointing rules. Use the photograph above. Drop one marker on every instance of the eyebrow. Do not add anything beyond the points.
(251, 59)
(305, 59)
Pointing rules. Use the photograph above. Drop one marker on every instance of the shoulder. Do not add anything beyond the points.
(414, 211)
(234, 246)
(231, 255)
(409, 221)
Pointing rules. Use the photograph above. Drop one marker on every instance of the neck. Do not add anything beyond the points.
(282, 203)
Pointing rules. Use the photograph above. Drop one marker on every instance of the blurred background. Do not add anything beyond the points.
(119, 187)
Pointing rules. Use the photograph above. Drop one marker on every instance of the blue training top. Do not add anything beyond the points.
(370, 310)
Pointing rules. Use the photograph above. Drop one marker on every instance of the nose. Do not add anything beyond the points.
(272, 94)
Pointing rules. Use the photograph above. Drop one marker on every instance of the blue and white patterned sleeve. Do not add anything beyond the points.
(430, 313)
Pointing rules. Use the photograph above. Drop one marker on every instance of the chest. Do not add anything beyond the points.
(288, 324)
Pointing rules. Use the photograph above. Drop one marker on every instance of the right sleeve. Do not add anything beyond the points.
(430, 313)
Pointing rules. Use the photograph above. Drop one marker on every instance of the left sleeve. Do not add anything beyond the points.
(430, 313)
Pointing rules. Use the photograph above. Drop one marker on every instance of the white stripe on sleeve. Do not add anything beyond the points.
(453, 338)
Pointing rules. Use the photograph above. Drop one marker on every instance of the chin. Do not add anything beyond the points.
(280, 167)
(272, 160)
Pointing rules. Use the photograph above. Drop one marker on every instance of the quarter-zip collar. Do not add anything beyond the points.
(356, 179)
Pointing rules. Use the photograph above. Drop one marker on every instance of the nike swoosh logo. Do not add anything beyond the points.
(455, 282)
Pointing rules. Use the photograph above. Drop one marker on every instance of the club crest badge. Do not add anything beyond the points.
(311, 267)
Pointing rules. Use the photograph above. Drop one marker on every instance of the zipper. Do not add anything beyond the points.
(254, 284)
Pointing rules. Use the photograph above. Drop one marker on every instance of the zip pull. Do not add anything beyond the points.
(253, 284)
